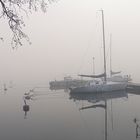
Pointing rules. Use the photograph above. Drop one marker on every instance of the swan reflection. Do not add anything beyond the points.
(31, 95)
(26, 108)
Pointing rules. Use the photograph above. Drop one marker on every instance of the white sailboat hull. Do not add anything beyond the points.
(104, 87)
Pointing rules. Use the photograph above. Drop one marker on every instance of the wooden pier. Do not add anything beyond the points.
(131, 85)
(133, 88)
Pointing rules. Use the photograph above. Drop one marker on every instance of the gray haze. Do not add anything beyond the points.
(65, 39)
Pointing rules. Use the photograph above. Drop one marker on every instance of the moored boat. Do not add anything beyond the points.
(104, 85)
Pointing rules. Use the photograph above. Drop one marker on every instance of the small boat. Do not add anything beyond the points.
(103, 85)
(68, 82)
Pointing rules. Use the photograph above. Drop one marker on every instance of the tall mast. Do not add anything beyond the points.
(93, 66)
(104, 44)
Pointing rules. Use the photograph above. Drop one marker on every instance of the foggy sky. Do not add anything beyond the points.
(68, 36)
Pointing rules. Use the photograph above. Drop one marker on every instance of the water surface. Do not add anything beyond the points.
(59, 115)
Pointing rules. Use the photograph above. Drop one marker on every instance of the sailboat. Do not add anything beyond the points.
(103, 85)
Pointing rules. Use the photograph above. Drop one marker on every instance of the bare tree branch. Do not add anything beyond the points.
(11, 9)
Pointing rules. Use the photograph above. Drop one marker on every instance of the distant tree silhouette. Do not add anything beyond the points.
(12, 9)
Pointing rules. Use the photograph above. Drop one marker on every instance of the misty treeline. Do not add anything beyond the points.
(12, 11)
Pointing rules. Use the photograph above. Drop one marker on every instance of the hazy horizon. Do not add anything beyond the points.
(68, 36)
(64, 42)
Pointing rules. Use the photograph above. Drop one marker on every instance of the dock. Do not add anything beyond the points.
(133, 88)
(131, 85)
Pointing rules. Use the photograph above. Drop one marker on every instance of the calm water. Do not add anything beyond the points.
(58, 115)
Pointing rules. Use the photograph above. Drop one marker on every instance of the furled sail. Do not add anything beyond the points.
(93, 106)
(93, 76)
(113, 73)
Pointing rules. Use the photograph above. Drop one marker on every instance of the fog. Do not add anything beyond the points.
(68, 36)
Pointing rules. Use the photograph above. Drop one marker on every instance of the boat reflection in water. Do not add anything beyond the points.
(97, 97)
(98, 100)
